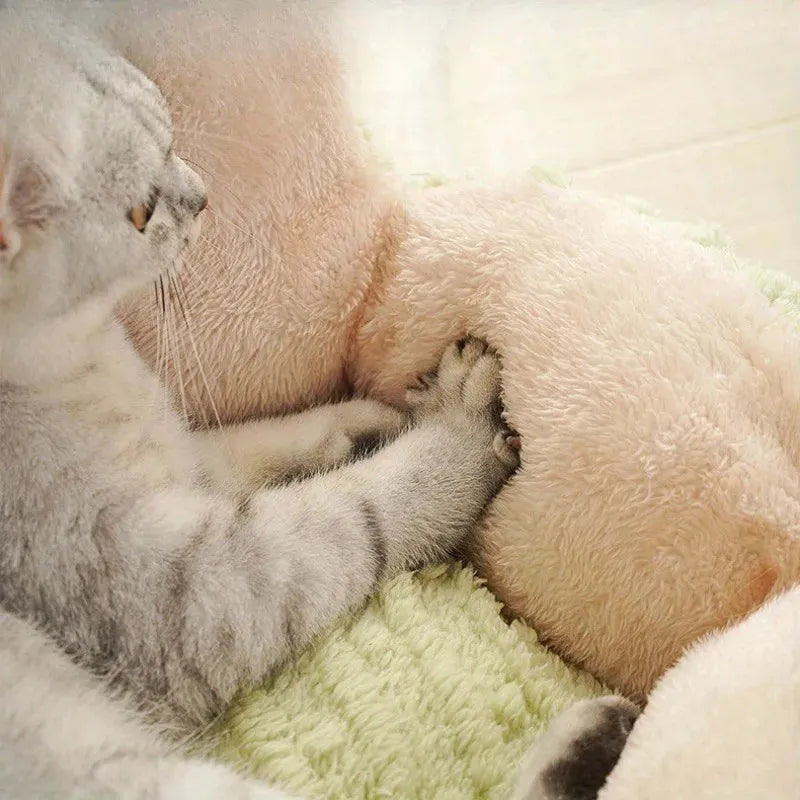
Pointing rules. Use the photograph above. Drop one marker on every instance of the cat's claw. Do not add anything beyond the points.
(456, 379)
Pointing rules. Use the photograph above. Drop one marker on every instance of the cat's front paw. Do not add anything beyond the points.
(575, 755)
(466, 389)
(467, 376)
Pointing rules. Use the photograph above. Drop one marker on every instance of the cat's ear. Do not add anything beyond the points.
(10, 239)
(28, 199)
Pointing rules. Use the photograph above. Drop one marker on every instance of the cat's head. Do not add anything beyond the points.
(93, 198)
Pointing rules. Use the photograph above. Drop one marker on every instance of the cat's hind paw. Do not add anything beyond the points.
(575, 755)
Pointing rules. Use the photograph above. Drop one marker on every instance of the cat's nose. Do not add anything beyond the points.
(202, 205)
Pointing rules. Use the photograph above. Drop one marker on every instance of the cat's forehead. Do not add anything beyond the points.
(94, 107)
(125, 99)
(126, 121)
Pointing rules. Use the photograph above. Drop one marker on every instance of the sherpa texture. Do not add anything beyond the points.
(426, 694)
(725, 722)
(657, 400)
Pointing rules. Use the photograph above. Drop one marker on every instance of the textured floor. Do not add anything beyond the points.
(694, 106)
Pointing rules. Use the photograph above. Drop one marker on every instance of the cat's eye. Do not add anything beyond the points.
(140, 215)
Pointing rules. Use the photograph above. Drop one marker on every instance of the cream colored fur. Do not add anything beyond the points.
(725, 722)
(657, 395)
(721, 725)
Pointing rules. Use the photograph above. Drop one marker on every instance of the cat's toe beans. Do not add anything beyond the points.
(482, 385)
(473, 349)
(457, 361)
(468, 380)
(426, 396)
(451, 367)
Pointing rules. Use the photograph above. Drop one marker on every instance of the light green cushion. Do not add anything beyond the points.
(428, 693)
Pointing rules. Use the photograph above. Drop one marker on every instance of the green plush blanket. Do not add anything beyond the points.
(426, 694)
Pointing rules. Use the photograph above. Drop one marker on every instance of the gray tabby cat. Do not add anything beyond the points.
(144, 575)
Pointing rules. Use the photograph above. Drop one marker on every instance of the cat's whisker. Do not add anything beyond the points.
(180, 294)
(173, 283)
(211, 277)
(205, 278)
(201, 369)
(161, 345)
(207, 240)
(177, 347)
(221, 137)
(157, 361)
(167, 396)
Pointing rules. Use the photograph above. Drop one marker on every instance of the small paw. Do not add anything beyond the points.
(467, 384)
(468, 375)
(575, 755)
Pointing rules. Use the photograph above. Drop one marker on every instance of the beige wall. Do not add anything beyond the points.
(693, 106)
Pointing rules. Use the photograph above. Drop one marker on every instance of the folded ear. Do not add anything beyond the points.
(29, 198)
(33, 195)
(10, 239)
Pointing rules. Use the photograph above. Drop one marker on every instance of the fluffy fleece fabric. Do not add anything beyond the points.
(658, 401)
(725, 722)
(426, 694)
